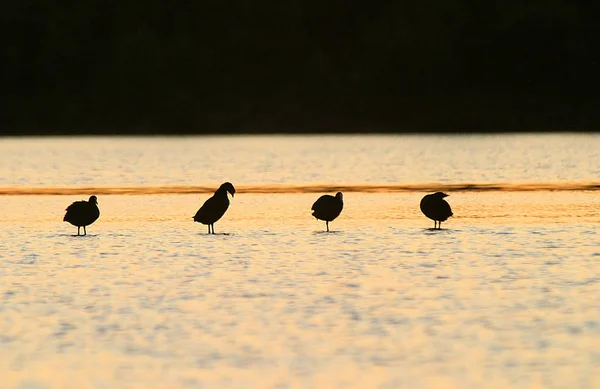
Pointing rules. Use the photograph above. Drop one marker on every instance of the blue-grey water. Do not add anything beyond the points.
(506, 295)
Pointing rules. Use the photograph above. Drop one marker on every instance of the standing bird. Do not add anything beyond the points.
(82, 213)
(215, 207)
(436, 208)
(328, 208)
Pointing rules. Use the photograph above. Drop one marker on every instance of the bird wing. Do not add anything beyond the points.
(448, 209)
(212, 209)
(321, 202)
(76, 206)
(206, 207)
(82, 210)
(443, 208)
(425, 200)
(208, 203)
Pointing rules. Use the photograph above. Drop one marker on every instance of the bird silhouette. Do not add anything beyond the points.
(328, 208)
(214, 208)
(436, 208)
(82, 213)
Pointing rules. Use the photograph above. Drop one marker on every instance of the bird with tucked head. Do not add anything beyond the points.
(328, 208)
(82, 213)
(436, 208)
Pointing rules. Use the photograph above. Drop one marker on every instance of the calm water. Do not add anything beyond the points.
(506, 295)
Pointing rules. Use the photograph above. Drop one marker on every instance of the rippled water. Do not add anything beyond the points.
(506, 295)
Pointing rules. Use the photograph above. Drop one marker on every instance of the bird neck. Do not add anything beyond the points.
(221, 192)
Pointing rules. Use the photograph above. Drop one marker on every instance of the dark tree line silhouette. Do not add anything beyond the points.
(211, 66)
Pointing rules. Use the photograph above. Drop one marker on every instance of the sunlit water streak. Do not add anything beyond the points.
(271, 189)
(506, 295)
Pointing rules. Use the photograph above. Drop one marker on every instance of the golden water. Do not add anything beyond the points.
(506, 295)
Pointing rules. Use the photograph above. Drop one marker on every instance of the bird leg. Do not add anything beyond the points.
(327, 224)
(78, 227)
(209, 228)
(84, 231)
(213, 228)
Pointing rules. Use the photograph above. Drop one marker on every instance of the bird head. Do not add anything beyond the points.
(93, 200)
(440, 194)
(227, 186)
(339, 196)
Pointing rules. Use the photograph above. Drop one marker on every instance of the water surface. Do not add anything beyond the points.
(506, 295)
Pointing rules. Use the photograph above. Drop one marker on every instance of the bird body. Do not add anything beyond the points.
(215, 207)
(328, 208)
(82, 213)
(436, 208)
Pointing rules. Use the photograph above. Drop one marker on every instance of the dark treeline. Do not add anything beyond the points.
(204, 66)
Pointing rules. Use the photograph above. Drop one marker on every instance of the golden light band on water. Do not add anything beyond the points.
(270, 188)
